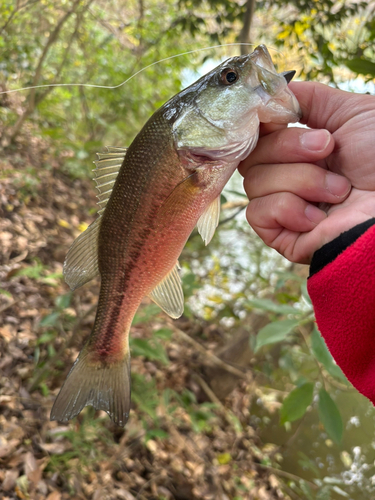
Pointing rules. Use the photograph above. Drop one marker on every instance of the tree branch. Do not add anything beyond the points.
(44, 94)
(38, 71)
(210, 357)
(15, 12)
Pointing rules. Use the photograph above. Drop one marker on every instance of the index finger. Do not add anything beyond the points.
(290, 145)
(325, 107)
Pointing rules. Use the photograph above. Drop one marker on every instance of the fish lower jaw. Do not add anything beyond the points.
(228, 156)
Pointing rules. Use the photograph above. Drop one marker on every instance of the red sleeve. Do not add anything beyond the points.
(342, 288)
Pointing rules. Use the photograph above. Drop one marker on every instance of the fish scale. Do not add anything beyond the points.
(169, 181)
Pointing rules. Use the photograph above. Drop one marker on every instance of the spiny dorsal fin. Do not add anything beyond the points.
(168, 294)
(108, 165)
(81, 262)
(209, 220)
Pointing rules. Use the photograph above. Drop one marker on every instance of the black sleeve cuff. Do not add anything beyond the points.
(331, 250)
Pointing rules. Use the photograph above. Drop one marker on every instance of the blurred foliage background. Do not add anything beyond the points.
(244, 380)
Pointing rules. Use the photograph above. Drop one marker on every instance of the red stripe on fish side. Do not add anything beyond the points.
(343, 295)
(109, 341)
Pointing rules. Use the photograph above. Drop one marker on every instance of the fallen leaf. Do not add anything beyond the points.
(10, 479)
(53, 448)
(8, 448)
(55, 495)
(29, 463)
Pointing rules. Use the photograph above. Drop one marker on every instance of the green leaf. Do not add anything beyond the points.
(361, 66)
(330, 416)
(44, 389)
(149, 349)
(269, 305)
(156, 433)
(145, 314)
(341, 492)
(322, 354)
(50, 319)
(189, 284)
(274, 332)
(306, 490)
(305, 293)
(63, 301)
(163, 333)
(34, 271)
(296, 403)
(46, 337)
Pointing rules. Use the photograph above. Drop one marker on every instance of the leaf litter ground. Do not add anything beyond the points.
(183, 440)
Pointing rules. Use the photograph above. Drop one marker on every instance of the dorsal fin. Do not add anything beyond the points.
(107, 168)
(168, 294)
(208, 221)
(81, 262)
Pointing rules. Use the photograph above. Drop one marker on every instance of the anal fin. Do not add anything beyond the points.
(81, 262)
(168, 294)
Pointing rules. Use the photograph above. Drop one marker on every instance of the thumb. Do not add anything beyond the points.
(325, 107)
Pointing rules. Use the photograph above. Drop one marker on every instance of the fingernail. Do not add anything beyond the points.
(315, 140)
(314, 214)
(337, 184)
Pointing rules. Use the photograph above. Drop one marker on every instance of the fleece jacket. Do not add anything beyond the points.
(342, 288)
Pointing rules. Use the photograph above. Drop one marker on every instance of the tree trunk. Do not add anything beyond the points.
(245, 32)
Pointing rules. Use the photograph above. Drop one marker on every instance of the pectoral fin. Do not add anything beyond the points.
(179, 197)
(168, 294)
(209, 220)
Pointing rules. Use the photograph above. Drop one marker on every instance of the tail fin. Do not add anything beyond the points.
(104, 386)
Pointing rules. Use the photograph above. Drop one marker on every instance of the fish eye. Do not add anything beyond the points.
(229, 76)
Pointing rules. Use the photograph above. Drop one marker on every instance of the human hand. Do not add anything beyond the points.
(293, 169)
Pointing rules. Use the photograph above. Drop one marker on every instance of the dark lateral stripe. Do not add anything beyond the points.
(331, 250)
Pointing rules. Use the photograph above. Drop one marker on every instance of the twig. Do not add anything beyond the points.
(305, 337)
(212, 396)
(290, 492)
(229, 205)
(146, 484)
(339, 385)
(263, 388)
(325, 378)
(288, 475)
(233, 216)
(207, 389)
(211, 358)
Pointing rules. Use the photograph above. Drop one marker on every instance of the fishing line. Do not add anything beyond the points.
(108, 87)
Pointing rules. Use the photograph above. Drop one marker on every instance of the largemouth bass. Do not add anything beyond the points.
(152, 195)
